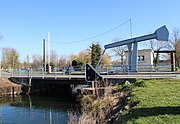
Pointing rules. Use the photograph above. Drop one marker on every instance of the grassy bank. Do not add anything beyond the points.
(157, 102)
(100, 106)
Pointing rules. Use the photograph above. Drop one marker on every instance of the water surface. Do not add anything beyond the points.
(34, 110)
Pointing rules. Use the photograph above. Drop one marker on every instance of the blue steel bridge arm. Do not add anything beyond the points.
(161, 33)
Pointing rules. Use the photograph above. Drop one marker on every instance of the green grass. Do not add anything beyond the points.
(157, 102)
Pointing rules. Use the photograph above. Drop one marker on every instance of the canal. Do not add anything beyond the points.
(35, 109)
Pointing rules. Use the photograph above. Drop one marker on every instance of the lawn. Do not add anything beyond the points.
(157, 102)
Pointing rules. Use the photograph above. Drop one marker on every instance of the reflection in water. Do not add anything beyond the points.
(34, 110)
(0, 115)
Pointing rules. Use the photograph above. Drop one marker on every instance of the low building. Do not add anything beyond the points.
(146, 61)
(145, 57)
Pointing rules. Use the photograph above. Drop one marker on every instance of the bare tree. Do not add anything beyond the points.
(156, 46)
(10, 58)
(174, 44)
(120, 52)
(54, 57)
(63, 61)
(36, 61)
(26, 63)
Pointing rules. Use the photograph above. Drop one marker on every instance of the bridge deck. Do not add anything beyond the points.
(82, 77)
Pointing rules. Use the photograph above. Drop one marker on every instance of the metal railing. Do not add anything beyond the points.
(80, 70)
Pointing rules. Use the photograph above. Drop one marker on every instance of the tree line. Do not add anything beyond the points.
(10, 56)
(11, 59)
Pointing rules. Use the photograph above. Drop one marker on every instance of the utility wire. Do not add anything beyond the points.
(129, 20)
(130, 27)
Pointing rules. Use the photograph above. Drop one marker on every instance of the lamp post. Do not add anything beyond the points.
(49, 59)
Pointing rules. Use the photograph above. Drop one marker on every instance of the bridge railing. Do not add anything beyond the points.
(41, 72)
(80, 70)
(124, 69)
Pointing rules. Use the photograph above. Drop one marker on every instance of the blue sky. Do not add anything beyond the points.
(25, 23)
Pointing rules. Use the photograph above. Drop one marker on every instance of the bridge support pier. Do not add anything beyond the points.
(28, 86)
(49, 87)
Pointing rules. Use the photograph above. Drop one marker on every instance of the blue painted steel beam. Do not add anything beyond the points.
(161, 33)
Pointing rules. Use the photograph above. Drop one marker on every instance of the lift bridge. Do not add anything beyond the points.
(91, 74)
(161, 34)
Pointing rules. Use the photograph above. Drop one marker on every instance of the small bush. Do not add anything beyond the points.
(139, 83)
